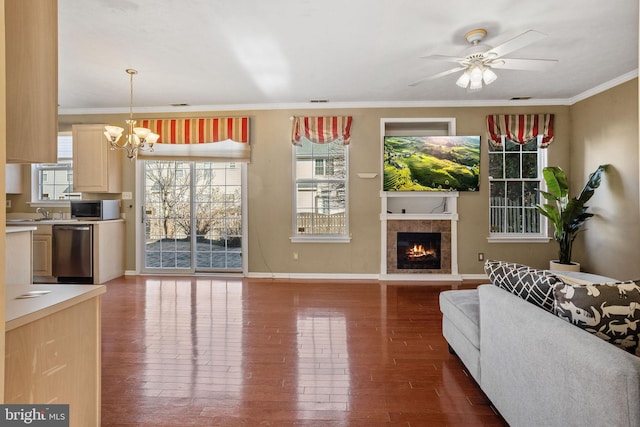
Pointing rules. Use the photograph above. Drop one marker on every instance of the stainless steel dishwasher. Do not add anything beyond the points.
(73, 253)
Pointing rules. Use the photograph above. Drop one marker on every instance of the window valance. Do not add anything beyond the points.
(322, 130)
(520, 128)
(208, 139)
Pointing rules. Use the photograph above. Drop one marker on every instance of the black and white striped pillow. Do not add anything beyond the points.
(530, 284)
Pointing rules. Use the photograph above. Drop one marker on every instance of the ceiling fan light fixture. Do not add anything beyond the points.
(475, 85)
(463, 80)
(488, 76)
(475, 75)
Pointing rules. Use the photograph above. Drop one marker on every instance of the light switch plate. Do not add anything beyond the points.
(127, 195)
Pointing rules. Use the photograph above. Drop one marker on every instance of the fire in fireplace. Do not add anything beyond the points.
(418, 251)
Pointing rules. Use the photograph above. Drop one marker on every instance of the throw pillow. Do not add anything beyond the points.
(610, 311)
(530, 284)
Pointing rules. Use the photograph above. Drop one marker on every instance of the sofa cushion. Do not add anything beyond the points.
(530, 284)
(610, 311)
(462, 307)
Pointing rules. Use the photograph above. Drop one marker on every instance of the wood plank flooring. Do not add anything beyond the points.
(209, 351)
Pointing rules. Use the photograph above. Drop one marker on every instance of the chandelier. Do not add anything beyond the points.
(136, 139)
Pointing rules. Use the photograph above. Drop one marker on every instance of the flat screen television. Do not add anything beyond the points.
(431, 163)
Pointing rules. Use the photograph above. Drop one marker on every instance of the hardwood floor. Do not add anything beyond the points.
(207, 351)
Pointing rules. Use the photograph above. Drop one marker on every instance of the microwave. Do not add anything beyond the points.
(95, 210)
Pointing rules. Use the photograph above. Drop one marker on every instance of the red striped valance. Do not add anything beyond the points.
(321, 130)
(199, 130)
(520, 128)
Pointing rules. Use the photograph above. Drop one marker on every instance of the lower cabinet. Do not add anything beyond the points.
(42, 253)
(52, 355)
(18, 257)
(108, 252)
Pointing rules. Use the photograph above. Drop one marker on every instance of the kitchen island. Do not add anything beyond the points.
(52, 351)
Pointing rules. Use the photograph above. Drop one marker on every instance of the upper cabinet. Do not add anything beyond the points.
(13, 179)
(96, 168)
(31, 29)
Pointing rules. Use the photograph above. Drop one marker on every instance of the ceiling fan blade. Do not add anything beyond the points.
(518, 42)
(523, 64)
(437, 76)
(445, 58)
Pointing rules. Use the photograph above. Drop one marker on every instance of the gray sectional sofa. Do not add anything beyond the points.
(536, 368)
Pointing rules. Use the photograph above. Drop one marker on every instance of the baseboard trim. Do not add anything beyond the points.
(475, 277)
(312, 276)
(348, 276)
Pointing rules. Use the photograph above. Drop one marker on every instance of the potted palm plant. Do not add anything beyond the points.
(567, 215)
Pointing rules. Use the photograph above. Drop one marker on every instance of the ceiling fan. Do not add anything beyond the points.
(479, 60)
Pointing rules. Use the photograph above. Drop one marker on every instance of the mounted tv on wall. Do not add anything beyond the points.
(431, 163)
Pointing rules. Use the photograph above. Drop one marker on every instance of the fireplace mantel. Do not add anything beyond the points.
(419, 205)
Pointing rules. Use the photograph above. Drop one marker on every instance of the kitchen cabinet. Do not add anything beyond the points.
(18, 266)
(52, 350)
(13, 179)
(42, 251)
(31, 56)
(96, 168)
(107, 250)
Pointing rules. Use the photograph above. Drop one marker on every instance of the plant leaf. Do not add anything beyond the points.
(556, 181)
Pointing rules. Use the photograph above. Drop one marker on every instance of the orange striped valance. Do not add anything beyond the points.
(321, 130)
(520, 128)
(199, 130)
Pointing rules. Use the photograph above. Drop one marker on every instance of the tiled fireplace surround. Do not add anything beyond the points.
(419, 226)
(416, 212)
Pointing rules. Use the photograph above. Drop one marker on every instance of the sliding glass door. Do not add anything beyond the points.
(192, 216)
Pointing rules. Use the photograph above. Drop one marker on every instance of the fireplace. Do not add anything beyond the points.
(418, 247)
(418, 251)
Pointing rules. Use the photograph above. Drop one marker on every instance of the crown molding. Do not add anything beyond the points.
(359, 105)
(605, 86)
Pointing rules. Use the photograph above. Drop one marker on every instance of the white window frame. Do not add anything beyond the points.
(319, 238)
(35, 181)
(543, 235)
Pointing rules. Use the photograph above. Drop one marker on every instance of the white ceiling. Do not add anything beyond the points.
(230, 54)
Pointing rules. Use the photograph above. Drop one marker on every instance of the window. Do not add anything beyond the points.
(53, 183)
(515, 175)
(321, 182)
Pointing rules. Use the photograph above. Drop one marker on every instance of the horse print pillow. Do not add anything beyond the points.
(610, 311)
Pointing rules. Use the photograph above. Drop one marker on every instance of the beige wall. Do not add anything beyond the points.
(605, 130)
(270, 192)
(600, 129)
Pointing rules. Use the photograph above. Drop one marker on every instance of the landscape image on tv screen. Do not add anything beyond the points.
(431, 163)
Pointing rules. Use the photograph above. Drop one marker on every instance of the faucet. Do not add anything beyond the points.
(43, 212)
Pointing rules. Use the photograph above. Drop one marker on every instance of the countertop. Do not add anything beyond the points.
(20, 311)
(12, 223)
(21, 228)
